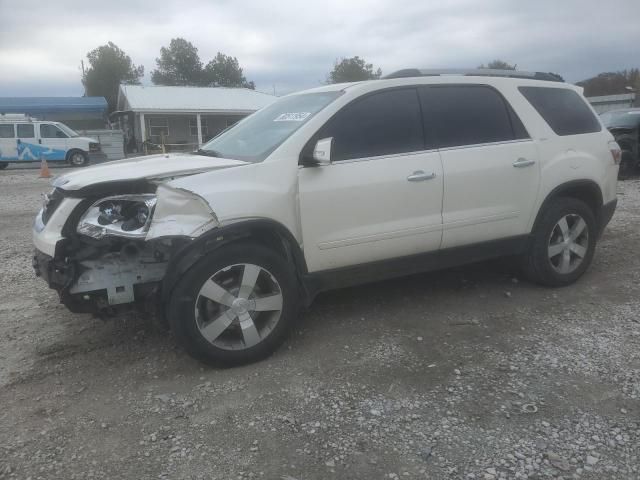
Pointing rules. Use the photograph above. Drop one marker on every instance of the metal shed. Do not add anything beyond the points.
(76, 112)
(604, 103)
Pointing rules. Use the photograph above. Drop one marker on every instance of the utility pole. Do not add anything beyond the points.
(85, 87)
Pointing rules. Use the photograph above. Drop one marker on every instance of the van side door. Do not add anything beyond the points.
(26, 142)
(54, 142)
(491, 168)
(8, 145)
(381, 196)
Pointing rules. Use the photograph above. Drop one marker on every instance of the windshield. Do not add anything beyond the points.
(624, 119)
(255, 137)
(67, 130)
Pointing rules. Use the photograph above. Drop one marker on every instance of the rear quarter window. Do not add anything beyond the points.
(563, 109)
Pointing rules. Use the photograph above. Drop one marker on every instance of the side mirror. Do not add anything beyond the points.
(322, 151)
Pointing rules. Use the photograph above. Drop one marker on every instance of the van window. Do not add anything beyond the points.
(384, 123)
(459, 115)
(51, 131)
(6, 131)
(26, 130)
(563, 109)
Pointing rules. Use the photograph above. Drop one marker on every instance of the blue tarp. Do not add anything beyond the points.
(34, 105)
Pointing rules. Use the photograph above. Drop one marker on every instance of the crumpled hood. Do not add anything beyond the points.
(140, 168)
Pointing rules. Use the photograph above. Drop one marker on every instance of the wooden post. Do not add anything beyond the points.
(199, 125)
(143, 133)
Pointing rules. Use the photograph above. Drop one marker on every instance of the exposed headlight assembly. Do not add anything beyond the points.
(127, 216)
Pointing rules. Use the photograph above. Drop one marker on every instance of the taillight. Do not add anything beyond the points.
(616, 153)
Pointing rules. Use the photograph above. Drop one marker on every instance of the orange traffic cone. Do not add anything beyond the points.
(44, 169)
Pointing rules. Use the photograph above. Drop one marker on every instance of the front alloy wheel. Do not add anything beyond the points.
(78, 159)
(236, 305)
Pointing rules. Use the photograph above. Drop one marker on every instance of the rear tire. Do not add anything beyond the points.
(3, 165)
(236, 306)
(627, 165)
(563, 243)
(78, 158)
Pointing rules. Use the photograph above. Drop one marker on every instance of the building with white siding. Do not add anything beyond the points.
(605, 103)
(182, 118)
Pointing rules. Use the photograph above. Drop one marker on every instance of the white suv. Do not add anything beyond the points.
(334, 186)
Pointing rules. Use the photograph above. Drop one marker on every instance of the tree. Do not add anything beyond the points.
(498, 65)
(612, 83)
(179, 64)
(225, 71)
(108, 68)
(353, 69)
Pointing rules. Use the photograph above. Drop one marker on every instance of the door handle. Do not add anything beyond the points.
(420, 176)
(523, 162)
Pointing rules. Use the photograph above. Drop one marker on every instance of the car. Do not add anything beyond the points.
(24, 139)
(624, 124)
(331, 187)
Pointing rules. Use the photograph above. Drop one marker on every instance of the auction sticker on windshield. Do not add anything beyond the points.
(292, 117)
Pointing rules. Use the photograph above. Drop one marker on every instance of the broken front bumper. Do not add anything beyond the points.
(90, 286)
(58, 275)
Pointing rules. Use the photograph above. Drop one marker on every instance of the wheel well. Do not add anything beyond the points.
(584, 190)
(71, 152)
(271, 234)
(272, 239)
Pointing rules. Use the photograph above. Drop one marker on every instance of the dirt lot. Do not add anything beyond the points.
(467, 373)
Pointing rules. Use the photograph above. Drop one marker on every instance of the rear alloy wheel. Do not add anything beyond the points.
(568, 244)
(236, 306)
(3, 165)
(562, 243)
(78, 159)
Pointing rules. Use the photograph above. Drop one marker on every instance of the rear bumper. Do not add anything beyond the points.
(605, 215)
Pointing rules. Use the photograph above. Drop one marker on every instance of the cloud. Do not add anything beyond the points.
(292, 45)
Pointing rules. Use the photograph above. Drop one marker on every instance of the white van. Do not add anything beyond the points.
(23, 139)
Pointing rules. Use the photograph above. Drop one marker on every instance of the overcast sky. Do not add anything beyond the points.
(292, 44)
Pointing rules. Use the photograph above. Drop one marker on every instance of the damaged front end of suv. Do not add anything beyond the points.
(106, 247)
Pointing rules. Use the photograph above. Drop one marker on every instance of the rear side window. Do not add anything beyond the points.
(6, 131)
(26, 130)
(563, 109)
(460, 115)
(384, 123)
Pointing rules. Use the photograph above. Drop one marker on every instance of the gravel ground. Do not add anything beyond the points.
(468, 373)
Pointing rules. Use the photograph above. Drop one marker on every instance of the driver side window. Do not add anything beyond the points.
(51, 131)
(383, 123)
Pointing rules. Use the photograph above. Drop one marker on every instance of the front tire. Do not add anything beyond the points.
(563, 243)
(236, 306)
(3, 165)
(78, 158)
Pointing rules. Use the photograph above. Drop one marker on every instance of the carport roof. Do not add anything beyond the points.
(32, 105)
(139, 98)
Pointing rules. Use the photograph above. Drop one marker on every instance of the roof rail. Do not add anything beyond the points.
(478, 72)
